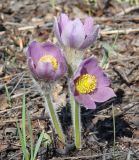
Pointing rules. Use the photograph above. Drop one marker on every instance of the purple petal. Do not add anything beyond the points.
(86, 100)
(102, 80)
(90, 64)
(92, 68)
(35, 51)
(32, 67)
(57, 30)
(73, 34)
(83, 64)
(62, 21)
(90, 38)
(45, 71)
(88, 25)
(103, 94)
(61, 70)
(51, 49)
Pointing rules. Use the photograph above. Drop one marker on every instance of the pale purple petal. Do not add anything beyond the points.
(92, 68)
(57, 30)
(86, 100)
(103, 94)
(90, 38)
(62, 68)
(51, 49)
(32, 67)
(88, 25)
(62, 21)
(35, 51)
(102, 80)
(45, 71)
(73, 34)
(90, 64)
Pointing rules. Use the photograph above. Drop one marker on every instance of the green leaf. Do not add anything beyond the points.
(24, 119)
(31, 135)
(46, 140)
(38, 145)
(23, 147)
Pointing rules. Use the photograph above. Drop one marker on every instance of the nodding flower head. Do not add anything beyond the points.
(90, 84)
(74, 33)
(46, 61)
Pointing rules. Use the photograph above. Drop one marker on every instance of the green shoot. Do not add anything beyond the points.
(22, 136)
(107, 52)
(38, 145)
(46, 140)
(22, 132)
(31, 136)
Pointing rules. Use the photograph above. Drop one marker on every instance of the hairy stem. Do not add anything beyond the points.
(54, 118)
(51, 109)
(76, 122)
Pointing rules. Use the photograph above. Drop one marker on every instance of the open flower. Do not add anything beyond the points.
(90, 84)
(45, 61)
(75, 34)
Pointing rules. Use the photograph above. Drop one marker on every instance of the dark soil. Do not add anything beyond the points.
(26, 20)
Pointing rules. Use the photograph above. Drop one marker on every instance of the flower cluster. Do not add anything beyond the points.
(88, 84)
(46, 61)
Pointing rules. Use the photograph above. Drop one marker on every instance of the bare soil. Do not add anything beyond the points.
(27, 20)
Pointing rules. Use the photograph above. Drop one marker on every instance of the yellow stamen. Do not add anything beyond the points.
(51, 59)
(86, 83)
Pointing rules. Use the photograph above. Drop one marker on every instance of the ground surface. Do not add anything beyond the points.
(23, 21)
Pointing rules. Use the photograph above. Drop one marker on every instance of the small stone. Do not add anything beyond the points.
(1, 69)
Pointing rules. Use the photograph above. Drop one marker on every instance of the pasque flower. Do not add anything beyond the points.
(45, 61)
(90, 84)
(74, 33)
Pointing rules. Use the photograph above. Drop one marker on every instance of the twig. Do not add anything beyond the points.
(18, 154)
(124, 59)
(122, 75)
(7, 110)
(129, 140)
(135, 67)
(88, 157)
(120, 31)
(32, 27)
(130, 106)
(103, 32)
(17, 83)
(117, 18)
(128, 10)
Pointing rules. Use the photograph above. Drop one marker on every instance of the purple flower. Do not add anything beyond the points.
(90, 84)
(75, 34)
(46, 61)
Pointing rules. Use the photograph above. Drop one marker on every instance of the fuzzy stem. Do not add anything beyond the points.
(54, 118)
(52, 112)
(76, 122)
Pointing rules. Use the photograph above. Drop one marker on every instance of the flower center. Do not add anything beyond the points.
(51, 59)
(86, 83)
